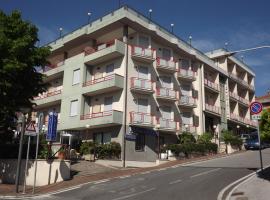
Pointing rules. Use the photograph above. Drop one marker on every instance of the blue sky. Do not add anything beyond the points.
(211, 23)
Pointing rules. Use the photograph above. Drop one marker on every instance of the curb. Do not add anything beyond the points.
(234, 185)
(107, 179)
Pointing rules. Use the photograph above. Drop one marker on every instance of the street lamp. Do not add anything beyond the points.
(248, 128)
(214, 127)
(60, 32)
(150, 13)
(226, 45)
(237, 129)
(244, 50)
(172, 25)
(190, 39)
(186, 126)
(89, 16)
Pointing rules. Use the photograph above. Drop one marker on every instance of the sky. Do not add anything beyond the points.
(211, 23)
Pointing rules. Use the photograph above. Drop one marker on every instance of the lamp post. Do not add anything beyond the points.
(172, 25)
(248, 129)
(214, 127)
(238, 127)
(190, 39)
(60, 32)
(186, 127)
(89, 17)
(150, 13)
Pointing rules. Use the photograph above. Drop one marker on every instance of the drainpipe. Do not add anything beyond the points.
(125, 40)
(202, 96)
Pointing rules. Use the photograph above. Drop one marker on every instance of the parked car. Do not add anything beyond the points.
(252, 144)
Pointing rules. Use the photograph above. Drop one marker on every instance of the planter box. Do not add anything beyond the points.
(48, 172)
(231, 149)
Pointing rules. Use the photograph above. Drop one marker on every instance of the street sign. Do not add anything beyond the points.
(255, 117)
(52, 127)
(256, 107)
(30, 129)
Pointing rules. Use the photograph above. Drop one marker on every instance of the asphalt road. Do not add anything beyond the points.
(202, 181)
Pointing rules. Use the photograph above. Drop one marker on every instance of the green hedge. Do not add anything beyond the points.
(190, 148)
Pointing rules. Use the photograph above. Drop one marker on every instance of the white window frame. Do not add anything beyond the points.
(78, 77)
(73, 113)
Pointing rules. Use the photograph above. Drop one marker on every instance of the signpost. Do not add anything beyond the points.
(256, 109)
(52, 130)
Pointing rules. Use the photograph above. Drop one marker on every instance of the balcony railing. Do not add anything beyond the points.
(51, 66)
(147, 53)
(188, 128)
(167, 93)
(57, 91)
(96, 115)
(187, 101)
(141, 84)
(234, 116)
(99, 80)
(167, 124)
(233, 95)
(211, 84)
(212, 108)
(186, 74)
(244, 101)
(139, 118)
(166, 64)
(89, 50)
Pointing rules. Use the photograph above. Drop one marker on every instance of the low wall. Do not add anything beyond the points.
(231, 149)
(48, 172)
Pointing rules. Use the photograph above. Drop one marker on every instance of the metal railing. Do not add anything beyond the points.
(212, 108)
(89, 50)
(142, 52)
(57, 91)
(167, 63)
(187, 100)
(138, 83)
(188, 128)
(211, 84)
(141, 118)
(167, 124)
(186, 73)
(167, 93)
(97, 115)
(99, 80)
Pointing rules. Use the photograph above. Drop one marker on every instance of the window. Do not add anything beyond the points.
(186, 118)
(74, 108)
(166, 53)
(166, 112)
(185, 63)
(109, 69)
(108, 103)
(140, 142)
(144, 41)
(143, 72)
(102, 138)
(166, 81)
(185, 89)
(76, 77)
(143, 105)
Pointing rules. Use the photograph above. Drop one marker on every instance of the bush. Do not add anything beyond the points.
(205, 138)
(230, 138)
(87, 148)
(108, 151)
(186, 138)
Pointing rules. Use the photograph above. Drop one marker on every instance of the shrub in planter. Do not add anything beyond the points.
(230, 138)
(211, 147)
(108, 151)
(205, 138)
(87, 148)
(186, 138)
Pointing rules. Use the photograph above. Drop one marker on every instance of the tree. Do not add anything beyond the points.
(186, 138)
(265, 126)
(19, 55)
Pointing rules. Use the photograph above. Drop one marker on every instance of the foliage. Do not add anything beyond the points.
(205, 138)
(186, 137)
(265, 126)
(87, 148)
(19, 80)
(110, 150)
(230, 138)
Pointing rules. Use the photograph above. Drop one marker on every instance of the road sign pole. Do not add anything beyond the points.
(26, 163)
(260, 146)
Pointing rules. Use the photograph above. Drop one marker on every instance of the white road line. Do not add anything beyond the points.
(176, 181)
(135, 194)
(125, 176)
(147, 172)
(207, 172)
(101, 181)
(162, 169)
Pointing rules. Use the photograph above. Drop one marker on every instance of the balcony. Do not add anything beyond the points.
(234, 117)
(54, 70)
(52, 97)
(141, 119)
(108, 83)
(187, 101)
(166, 65)
(233, 96)
(143, 86)
(104, 52)
(211, 85)
(142, 54)
(188, 128)
(212, 109)
(166, 94)
(241, 81)
(187, 75)
(167, 125)
(251, 87)
(243, 101)
(102, 119)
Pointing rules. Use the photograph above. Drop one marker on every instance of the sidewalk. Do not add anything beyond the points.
(255, 188)
(8, 190)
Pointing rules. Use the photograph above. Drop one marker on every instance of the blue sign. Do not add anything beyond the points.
(52, 127)
(256, 107)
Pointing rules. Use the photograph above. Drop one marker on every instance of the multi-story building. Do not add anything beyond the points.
(265, 100)
(124, 78)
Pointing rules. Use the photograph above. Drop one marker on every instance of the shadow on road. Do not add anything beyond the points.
(265, 174)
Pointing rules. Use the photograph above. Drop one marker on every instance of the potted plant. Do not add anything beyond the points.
(62, 153)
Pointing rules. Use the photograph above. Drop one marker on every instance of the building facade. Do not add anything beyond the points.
(265, 100)
(124, 78)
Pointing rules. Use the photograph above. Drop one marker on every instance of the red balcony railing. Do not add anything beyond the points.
(96, 115)
(187, 73)
(211, 84)
(168, 124)
(89, 50)
(166, 63)
(142, 52)
(212, 108)
(141, 118)
(49, 94)
(167, 93)
(99, 80)
(187, 100)
(144, 84)
(52, 66)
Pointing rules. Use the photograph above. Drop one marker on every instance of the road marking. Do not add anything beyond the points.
(125, 176)
(162, 169)
(176, 181)
(101, 181)
(147, 172)
(135, 194)
(207, 172)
